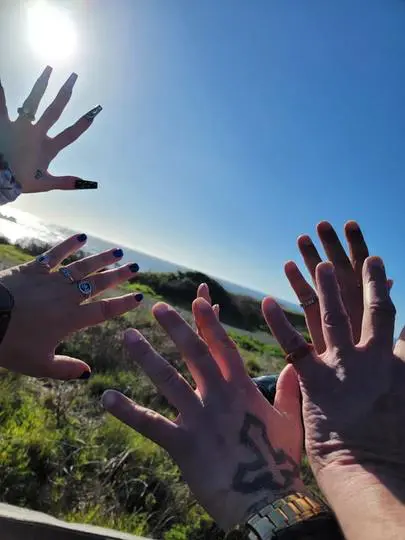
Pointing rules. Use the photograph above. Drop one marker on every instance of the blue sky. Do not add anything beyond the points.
(230, 127)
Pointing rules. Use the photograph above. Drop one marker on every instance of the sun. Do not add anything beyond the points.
(51, 31)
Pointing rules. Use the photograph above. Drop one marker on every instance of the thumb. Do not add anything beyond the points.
(65, 368)
(288, 394)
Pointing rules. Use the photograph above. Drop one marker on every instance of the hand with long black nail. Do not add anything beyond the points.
(236, 451)
(348, 271)
(27, 148)
(353, 404)
(52, 301)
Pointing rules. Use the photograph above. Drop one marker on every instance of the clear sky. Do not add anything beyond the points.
(229, 127)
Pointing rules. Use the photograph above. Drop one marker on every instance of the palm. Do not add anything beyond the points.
(29, 150)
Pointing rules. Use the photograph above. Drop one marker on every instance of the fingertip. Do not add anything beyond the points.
(324, 268)
(304, 241)
(324, 227)
(270, 305)
(351, 226)
(290, 267)
(132, 336)
(160, 308)
(109, 399)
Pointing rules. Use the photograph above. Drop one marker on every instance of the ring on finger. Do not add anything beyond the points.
(44, 261)
(85, 288)
(301, 352)
(309, 302)
(26, 112)
(67, 274)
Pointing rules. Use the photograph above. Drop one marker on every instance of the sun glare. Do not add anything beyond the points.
(51, 31)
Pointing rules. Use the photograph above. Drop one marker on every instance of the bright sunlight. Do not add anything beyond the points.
(51, 31)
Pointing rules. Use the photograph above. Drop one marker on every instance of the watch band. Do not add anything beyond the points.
(282, 514)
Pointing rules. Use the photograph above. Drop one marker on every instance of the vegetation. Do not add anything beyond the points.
(61, 454)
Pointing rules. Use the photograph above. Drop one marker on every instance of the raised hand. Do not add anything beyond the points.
(348, 271)
(353, 398)
(235, 450)
(28, 149)
(50, 304)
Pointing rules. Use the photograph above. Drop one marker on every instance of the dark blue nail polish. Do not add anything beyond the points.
(118, 253)
(139, 297)
(82, 237)
(85, 375)
(134, 267)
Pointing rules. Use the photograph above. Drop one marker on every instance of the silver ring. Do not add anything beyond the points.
(85, 288)
(310, 302)
(67, 274)
(44, 261)
(25, 112)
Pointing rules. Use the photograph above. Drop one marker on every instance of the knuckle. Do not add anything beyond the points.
(334, 318)
(107, 309)
(294, 342)
(383, 307)
(167, 376)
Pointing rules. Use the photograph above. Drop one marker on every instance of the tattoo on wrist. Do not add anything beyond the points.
(255, 475)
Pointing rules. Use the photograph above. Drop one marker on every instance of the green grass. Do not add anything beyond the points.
(142, 288)
(13, 255)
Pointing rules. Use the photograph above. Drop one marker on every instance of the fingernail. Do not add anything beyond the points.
(47, 72)
(139, 297)
(90, 116)
(353, 231)
(82, 237)
(118, 253)
(132, 336)
(108, 399)
(39, 174)
(70, 82)
(134, 267)
(327, 232)
(85, 184)
(85, 375)
(160, 308)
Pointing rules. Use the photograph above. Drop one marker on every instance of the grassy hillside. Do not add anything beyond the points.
(61, 454)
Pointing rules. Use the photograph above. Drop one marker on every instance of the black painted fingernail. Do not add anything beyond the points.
(134, 267)
(85, 184)
(82, 237)
(85, 375)
(90, 116)
(139, 297)
(70, 82)
(118, 253)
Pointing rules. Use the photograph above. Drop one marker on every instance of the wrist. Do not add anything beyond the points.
(237, 509)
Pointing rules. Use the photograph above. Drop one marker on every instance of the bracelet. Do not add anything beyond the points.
(10, 189)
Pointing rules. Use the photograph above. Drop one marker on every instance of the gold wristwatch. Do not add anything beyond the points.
(279, 515)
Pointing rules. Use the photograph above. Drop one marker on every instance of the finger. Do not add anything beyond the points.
(49, 182)
(336, 327)
(66, 368)
(350, 287)
(104, 310)
(163, 375)
(94, 263)
(202, 366)
(56, 108)
(357, 248)
(288, 394)
(72, 133)
(379, 310)
(3, 104)
(54, 256)
(220, 344)
(289, 339)
(306, 294)
(310, 254)
(203, 291)
(145, 421)
(37, 92)
(94, 285)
